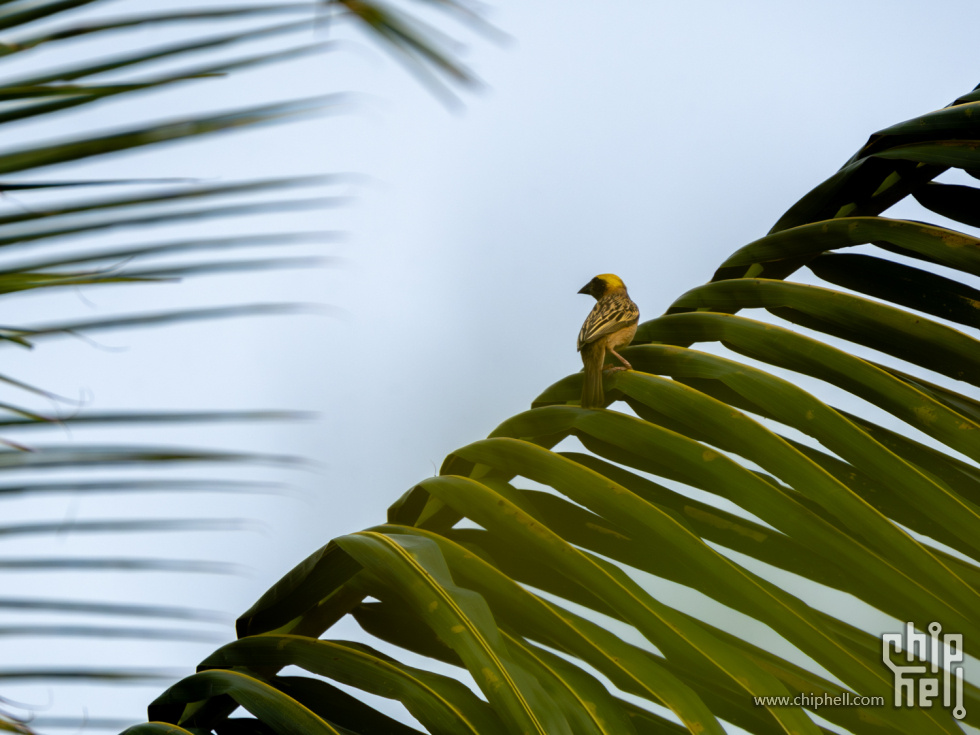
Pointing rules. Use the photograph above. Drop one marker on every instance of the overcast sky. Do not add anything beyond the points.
(645, 139)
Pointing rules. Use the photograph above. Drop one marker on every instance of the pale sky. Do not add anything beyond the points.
(646, 139)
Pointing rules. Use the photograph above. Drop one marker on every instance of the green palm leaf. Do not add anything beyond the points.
(42, 249)
(539, 568)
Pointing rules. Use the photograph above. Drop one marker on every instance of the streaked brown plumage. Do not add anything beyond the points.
(611, 324)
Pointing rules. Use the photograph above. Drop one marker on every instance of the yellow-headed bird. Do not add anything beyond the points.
(610, 324)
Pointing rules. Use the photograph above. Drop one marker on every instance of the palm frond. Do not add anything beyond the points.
(43, 249)
(834, 428)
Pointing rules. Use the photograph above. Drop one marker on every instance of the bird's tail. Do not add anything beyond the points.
(593, 356)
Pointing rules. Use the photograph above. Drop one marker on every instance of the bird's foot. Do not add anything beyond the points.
(615, 369)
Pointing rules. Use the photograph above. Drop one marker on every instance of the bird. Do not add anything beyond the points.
(611, 324)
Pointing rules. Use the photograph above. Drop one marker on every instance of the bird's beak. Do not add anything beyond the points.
(585, 289)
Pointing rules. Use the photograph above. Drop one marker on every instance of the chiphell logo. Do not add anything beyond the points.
(913, 685)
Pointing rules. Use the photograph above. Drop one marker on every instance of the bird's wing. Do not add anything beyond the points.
(607, 317)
